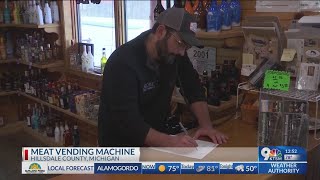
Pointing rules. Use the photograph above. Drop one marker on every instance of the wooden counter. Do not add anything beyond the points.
(240, 135)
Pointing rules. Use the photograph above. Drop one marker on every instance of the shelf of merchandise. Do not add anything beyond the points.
(293, 93)
(7, 93)
(44, 65)
(49, 141)
(234, 32)
(67, 112)
(93, 76)
(34, 26)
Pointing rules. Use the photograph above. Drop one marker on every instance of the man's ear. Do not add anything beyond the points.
(161, 32)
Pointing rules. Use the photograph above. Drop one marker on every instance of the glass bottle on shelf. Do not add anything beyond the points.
(39, 15)
(84, 59)
(55, 11)
(57, 133)
(61, 128)
(76, 136)
(201, 17)
(15, 13)
(157, 10)
(49, 53)
(6, 13)
(207, 4)
(47, 13)
(42, 55)
(236, 12)
(103, 59)
(55, 51)
(29, 115)
(67, 136)
(226, 15)
(214, 18)
(188, 7)
(1, 14)
(73, 55)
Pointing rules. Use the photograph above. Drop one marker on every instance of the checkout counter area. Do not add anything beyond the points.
(242, 137)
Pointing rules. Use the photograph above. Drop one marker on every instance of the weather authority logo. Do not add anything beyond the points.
(35, 168)
(271, 155)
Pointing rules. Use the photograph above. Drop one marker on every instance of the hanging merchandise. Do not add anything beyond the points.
(226, 15)
(214, 18)
(236, 12)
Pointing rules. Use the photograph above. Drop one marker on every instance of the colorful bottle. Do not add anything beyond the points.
(6, 13)
(103, 60)
(226, 15)
(157, 10)
(214, 18)
(49, 53)
(236, 12)
(201, 17)
(188, 7)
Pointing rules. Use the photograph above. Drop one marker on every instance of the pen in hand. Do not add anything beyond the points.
(184, 130)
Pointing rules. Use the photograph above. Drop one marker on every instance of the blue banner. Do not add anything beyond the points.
(117, 168)
(282, 168)
(282, 153)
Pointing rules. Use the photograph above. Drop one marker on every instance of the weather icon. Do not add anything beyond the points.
(162, 168)
(200, 168)
(239, 168)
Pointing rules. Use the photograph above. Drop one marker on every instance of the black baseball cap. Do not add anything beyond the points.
(180, 20)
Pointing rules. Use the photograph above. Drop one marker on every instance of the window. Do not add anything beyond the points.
(97, 26)
(96, 23)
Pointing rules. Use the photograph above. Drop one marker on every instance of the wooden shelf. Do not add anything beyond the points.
(224, 104)
(93, 76)
(60, 109)
(34, 26)
(49, 141)
(7, 93)
(234, 32)
(45, 65)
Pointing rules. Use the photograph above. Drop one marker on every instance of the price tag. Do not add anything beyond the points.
(278, 80)
(203, 59)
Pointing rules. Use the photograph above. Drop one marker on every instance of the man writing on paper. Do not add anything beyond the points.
(138, 82)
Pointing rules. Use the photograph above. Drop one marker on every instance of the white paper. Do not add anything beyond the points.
(203, 149)
(247, 69)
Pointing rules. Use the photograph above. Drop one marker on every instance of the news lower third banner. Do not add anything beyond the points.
(77, 160)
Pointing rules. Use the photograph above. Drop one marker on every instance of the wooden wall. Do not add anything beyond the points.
(249, 9)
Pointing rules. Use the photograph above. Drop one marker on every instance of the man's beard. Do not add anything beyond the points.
(162, 50)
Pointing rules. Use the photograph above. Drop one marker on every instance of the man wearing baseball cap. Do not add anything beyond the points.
(138, 82)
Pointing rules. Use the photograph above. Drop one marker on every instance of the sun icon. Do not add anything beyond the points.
(162, 168)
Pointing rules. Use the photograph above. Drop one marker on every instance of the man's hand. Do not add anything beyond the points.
(182, 141)
(216, 136)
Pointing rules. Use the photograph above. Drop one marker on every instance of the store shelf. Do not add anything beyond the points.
(223, 106)
(293, 93)
(7, 93)
(53, 64)
(45, 65)
(49, 141)
(93, 76)
(34, 26)
(67, 112)
(234, 32)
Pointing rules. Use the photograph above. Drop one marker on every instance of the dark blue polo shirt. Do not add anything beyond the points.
(136, 93)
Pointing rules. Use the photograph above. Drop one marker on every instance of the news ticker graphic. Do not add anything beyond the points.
(164, 168)
(77, 160)
(282, 153)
